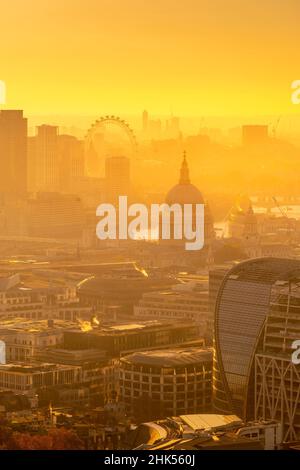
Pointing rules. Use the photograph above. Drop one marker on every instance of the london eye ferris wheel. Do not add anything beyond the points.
(109, 135)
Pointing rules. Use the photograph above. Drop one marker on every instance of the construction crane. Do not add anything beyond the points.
(275, 127)
(284, 214)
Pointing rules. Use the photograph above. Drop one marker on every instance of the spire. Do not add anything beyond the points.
(184, 171)
(250, 210)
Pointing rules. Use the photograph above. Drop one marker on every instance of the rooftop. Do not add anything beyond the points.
(75, 357)
(170, 357)
(129, 327)
(199, 431)
(33, 326)
(265, 270)
(33, 367)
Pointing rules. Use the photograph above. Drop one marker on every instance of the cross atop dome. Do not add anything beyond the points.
(184, 171)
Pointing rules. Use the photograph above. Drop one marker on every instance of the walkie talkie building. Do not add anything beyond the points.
(257, 318)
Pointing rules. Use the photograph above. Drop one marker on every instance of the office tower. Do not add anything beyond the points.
(117, 175)
(55, 215)
(254, 135)
(13, 152)
(71, 161)
(168, 382)
(94, 163)
(31, 163)
(47, 158)
(154, 129)
(172, 128)
(257, 318)
(145, 119)
(48, 162)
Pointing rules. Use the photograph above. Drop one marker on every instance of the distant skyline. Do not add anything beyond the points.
(197, 57)
(287, 126)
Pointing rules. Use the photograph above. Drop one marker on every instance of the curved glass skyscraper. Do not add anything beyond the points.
(257, 317)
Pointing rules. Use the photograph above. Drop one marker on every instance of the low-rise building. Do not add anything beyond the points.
(25, 378)
(36, 296)
(166, 382)
(99, 375)
(181, 302)
(126, 337)
(24, 338)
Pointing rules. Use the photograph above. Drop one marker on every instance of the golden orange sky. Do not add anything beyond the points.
(213, 57)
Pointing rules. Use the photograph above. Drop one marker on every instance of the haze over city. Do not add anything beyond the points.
(112, 340)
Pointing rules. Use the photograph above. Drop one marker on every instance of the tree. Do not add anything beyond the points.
(65, 439)
(56, 439)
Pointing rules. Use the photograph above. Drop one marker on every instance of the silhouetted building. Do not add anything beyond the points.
(171, 251)
(55, 215)
(93, 161)
(145, 119)
(117, 175)
(46, 158)
(184, 192)
(71, 161)
(154, 129)
(172, 128)
(254, 135)
(13, 152)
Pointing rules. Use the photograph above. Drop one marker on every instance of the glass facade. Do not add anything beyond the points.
(242, 306)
